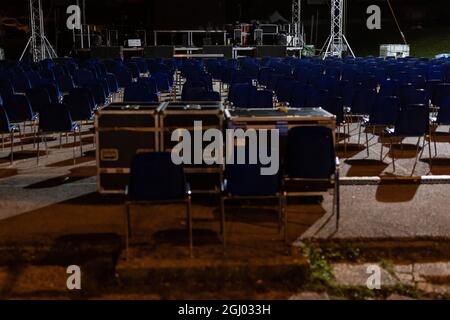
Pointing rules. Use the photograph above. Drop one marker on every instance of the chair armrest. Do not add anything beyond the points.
(337, 173)
(188, 191)
(223, 186)
(338, 163)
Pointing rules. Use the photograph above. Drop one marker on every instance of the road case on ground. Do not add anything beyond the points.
(122, 131)
(270, 119)
(203, 178)
(276, 119)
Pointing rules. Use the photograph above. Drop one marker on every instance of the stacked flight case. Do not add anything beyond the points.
(203, 179)
(125, 129)
(122, 131)
(272, 119)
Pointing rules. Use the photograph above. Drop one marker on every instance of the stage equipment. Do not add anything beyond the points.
(297, 32)
(337, 43)
(40, 48)
(203, 179)
(123, 130)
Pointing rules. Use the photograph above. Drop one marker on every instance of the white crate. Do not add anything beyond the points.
(394, 50)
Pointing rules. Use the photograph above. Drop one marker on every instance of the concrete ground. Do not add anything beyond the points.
(53, 207)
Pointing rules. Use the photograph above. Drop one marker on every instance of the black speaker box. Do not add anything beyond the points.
(271, 51)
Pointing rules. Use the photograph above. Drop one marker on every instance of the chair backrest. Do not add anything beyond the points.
(440, 93)
(413, 121)
(310, 153)
(79, 102)
(124, 77)
(6, 87)
(335, 106)
(298, 97)
(385, 111)
(52, 90)
(154, 177)
(363, 101)
(150, 83)
(112, 82)
(443, 117)
(162, 80)
(247, 180)
(316, 98)
(139, 92)
(239, 95)
(389, 88)
(418, 96)
(55, 118)
(5, 126)
(261, 99)
(210, 96)
(98, 92)
(18, 108)
(284, 88)
(65, 83)
(38, 98)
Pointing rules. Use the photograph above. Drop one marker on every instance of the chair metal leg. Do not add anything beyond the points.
(38, 145)
(20, 138)
(46, 145)
(189, 214)
(73, 147)
(367, 140)
(418, 154)
(337, 194)
(392, 154)
(359, 134)
(81, 143)
(127, 230)
(429, 151)
(12, 146)
(382, 147)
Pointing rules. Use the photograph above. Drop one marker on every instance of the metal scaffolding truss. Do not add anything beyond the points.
(297, 23)
(40, 48)
(337, 43)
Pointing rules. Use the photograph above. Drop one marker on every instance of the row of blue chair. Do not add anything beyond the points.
(310, 159)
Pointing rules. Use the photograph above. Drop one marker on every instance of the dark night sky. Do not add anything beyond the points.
(180, 14)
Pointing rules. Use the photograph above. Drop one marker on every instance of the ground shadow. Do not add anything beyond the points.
(365, 168)
(397, 191)
(440, 166)
(350, 151)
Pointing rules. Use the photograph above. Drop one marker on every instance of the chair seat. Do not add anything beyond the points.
(292, 186)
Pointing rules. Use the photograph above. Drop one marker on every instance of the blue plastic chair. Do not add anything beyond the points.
(284, 89)
(384, 115)
(56, 118)
(311, 160)
(139, 92)
(412, 121)
(299, 94)
(240, 94)
(6, 127)
(155, 179)
(245, 181)
(261, 99)
(79, 103)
